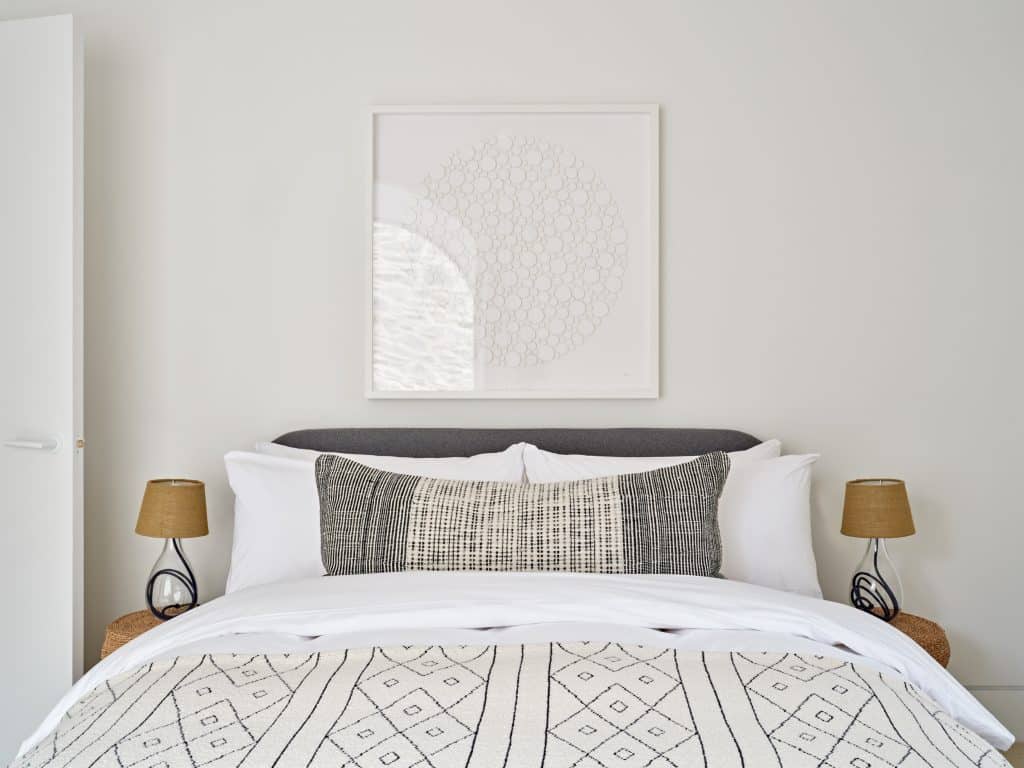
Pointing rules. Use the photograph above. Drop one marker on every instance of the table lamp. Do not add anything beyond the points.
(877, 509)
(172, 510)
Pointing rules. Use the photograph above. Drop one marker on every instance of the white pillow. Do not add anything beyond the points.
(764, 513)
(546, 467)
(506, 466)
(765, 518)
(277, 522)
(277, 509)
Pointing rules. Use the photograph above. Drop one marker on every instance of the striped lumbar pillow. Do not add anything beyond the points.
(662, 521)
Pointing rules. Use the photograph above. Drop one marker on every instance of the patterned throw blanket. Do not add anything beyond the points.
(591, 705)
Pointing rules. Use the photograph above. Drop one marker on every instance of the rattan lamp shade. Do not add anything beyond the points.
(173, 509)
(877, 509)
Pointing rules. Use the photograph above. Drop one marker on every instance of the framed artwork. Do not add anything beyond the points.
(514, 252)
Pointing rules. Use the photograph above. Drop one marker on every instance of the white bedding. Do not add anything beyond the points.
(462, 608)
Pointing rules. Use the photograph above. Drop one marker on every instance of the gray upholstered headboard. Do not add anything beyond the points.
(418, 442)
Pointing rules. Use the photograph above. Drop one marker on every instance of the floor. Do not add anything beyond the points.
(1016, 755)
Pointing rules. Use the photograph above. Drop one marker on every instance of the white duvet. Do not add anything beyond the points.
(428, 608)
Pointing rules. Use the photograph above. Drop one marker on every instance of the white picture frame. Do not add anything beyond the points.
(440, 315)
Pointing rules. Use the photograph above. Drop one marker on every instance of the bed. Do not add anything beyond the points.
(517, 668)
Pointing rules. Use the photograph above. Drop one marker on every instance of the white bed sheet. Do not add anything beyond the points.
(685, 612)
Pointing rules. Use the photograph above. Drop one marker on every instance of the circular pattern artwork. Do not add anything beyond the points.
(539, 237)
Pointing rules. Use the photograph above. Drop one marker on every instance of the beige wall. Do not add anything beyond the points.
(841, 261)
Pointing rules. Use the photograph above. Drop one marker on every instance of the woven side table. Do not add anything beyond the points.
(927, 634)
(127, 628)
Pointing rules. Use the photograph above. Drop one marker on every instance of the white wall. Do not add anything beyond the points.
(841, 262)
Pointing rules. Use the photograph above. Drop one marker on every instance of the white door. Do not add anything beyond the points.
(40, 371)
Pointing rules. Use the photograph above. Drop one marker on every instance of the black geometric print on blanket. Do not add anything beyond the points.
(626, 706)
(579, 704)
(219, 712)
(411, 706)
(88, 709)
(217, 708)
(820, 708)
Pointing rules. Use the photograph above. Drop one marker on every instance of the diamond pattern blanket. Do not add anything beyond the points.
(587, 705)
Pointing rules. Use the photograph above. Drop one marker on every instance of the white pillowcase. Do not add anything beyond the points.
(277, 521)
(764, 513)
(277, 508)
(546, 467)
(506, 466)
(765, 518)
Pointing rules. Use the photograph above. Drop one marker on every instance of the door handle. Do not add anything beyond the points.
(51, 444)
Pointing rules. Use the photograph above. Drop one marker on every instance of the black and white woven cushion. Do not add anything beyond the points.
(662, 521)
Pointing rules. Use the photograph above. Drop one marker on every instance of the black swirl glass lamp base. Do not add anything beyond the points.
(876, 586)
(171, 588)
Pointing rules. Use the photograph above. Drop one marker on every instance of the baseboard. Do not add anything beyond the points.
(1005, 702)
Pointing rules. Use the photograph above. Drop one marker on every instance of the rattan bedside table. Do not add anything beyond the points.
(126, 628)
(927, 634)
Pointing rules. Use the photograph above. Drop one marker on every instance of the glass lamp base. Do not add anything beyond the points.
(876, 586)
(171, 588)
